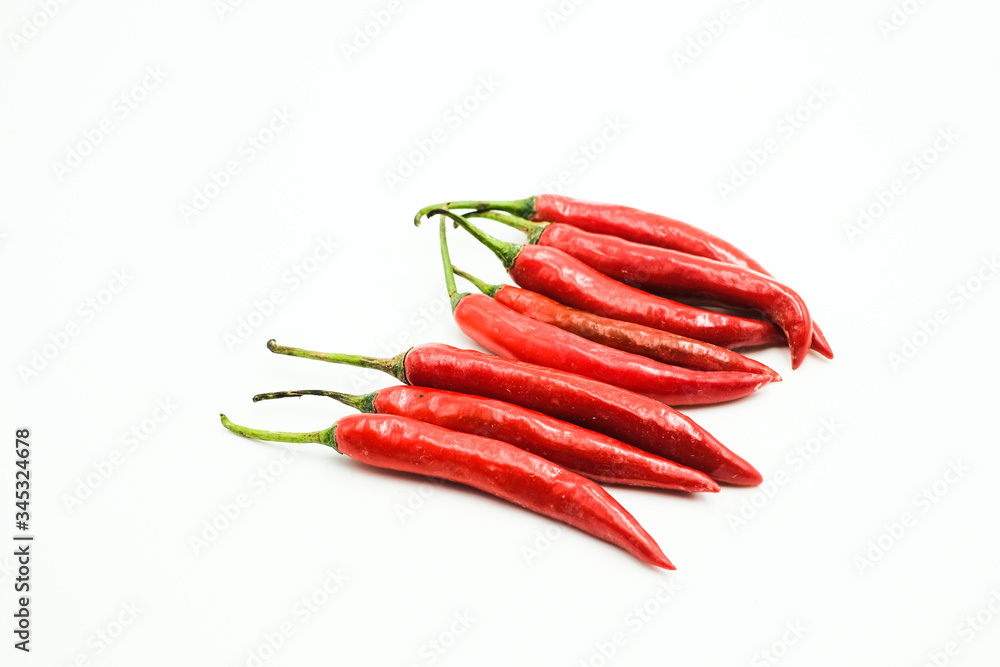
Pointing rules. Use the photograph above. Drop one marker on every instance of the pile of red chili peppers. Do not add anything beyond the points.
(590, 353)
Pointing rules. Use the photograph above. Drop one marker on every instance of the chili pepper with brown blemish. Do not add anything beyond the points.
(508, 333)
(673, 273)
(628, 223)
(559, 276)
(628, 336)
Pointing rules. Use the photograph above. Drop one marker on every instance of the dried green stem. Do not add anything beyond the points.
(360, 402)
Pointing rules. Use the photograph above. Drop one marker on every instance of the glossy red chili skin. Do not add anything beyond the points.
(621, 414)
(557, 275)
(506, 332)
(652, 229)
(641, 227)
(498, 468)
(628, 336)
(585, 452)
(671, 272)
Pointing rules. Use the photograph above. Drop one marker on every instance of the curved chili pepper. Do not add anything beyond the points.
(500, 469)
(628, 336)
(577, 449)
(621, 414)
(569, 281)
(628, 223)
(508, 333)
(665, 271)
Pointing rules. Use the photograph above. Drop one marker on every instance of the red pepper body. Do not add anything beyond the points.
(652, 229)
(628, 336)
(624, 415)
(585, 452)
(508, 333)
(498, 468)
(557, 275)
(641, 227)
(665, 271)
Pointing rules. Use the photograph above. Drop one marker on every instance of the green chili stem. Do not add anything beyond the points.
(533, 230)
(324, 437)
(484, 287)
(449, 270)
(506, 252)
(522, 207)
(394, 366)
(360, 402)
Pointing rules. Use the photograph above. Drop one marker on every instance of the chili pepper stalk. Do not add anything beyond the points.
(660, 345)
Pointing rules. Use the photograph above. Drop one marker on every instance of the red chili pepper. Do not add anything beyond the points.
(670, 272)
(628, 336)
(577, 449)
(624, 415)
(627, 223)
(569, 281)
(508, 333)
(500, 469)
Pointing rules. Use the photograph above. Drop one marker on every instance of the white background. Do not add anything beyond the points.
(676, 131)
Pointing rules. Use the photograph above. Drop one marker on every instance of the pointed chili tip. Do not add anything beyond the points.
(748, 476)
(664, 562)
(737, 472)
(820, 344)
(822, 348)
